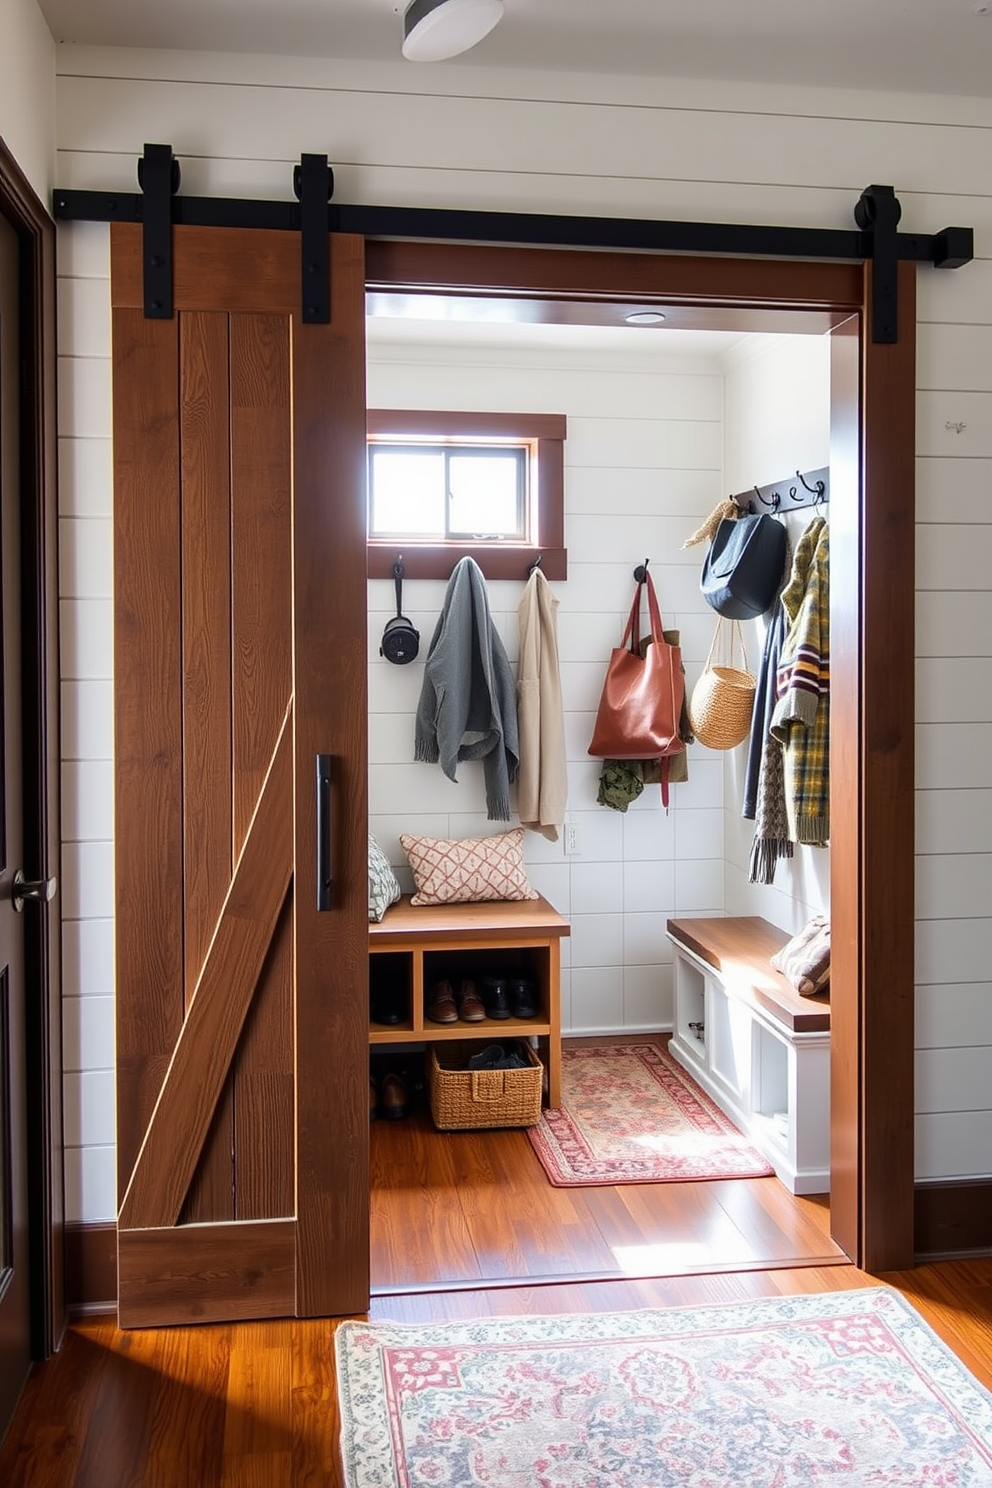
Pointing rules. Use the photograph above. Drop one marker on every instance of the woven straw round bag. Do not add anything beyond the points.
(722, 700)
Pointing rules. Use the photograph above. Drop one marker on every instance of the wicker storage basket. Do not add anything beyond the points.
(462, 1098)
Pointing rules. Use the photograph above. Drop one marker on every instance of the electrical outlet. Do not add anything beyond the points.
(570, 839)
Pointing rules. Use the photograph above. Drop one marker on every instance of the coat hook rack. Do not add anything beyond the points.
(804, 489)
(641, 571)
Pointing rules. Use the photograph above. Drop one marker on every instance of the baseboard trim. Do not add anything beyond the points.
(91, 1267)
(953, 1219)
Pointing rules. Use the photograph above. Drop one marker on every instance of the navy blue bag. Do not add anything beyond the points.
(743, 569)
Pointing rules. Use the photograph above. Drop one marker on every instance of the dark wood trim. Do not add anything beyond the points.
(457, 421)
(872, 644)
(227, 1272)
(562, 273)
(505, 560)
(35, 230)
(91, 1267)
(887, 839)
(433, 562)
(953, 1219)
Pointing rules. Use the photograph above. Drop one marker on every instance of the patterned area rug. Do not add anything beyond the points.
(848, 1387)
(630, 1114)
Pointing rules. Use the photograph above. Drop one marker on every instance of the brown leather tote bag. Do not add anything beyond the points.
(639, 710)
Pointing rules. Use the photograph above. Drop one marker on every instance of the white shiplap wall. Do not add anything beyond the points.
(470, 137)
(27, 92)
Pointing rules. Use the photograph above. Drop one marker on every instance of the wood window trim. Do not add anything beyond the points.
(508, 560)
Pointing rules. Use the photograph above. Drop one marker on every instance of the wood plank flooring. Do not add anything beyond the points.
(463, 1225)
(252, 1405)
(470, 1209)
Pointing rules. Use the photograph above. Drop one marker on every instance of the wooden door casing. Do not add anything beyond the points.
(242, 1010)
(872, 658)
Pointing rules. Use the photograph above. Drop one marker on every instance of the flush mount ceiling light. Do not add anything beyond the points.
(644, 317)
(434, 30)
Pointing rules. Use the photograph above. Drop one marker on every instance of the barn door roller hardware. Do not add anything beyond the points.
(313, 182)
(159, 177)
(876, 237)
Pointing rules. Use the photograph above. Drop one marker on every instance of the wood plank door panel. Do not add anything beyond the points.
(240, 655)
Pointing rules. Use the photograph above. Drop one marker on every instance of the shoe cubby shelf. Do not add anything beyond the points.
(412, 949)
(759, 1049)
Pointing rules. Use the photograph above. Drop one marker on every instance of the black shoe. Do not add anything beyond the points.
(522, 998)
(495, 1056)
(389, 1006)
(495, 997)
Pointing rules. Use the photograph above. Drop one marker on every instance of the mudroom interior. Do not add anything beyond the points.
(662, 422)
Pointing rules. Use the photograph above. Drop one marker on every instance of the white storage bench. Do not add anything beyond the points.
(759, 1049)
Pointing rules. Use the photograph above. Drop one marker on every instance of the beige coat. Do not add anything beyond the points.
(542, 784)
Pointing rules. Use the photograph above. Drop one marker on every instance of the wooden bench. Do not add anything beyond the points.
(756, 1047)
(418, 947)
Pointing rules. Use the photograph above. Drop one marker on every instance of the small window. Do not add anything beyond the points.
(449, 492)
(444, 485)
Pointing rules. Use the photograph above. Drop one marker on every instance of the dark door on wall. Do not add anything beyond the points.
(240, 657)
(15, 1321)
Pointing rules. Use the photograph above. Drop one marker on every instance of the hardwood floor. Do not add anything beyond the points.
(463, 1225)
(253, 1405)
(471, 1209)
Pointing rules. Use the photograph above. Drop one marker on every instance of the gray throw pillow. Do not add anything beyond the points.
(384, 887)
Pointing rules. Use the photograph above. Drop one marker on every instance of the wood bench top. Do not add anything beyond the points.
(739, 948)
(494, 921)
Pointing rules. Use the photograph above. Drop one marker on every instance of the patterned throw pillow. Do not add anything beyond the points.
(472, 868)
(805, 961)
(384, 888)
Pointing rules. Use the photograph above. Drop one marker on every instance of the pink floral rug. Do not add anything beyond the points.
(630, 1114)
(845, 1388)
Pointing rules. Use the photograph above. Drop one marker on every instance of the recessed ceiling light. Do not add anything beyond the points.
(644, 317)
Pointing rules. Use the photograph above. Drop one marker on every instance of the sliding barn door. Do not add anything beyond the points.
(240, 659)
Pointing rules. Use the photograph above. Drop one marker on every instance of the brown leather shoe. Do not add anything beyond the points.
(442, 1007)
(470, 1008)
(394, 1098)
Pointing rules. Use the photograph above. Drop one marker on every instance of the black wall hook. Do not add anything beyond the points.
(810, 488)
(533, 567)
(816, 491)
(641, 571)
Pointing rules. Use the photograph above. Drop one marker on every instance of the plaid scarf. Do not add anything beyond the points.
(801, 720)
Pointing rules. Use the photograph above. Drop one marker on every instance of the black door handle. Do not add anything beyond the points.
(324, 879)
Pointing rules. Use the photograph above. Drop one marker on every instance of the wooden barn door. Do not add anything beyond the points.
(240, 658)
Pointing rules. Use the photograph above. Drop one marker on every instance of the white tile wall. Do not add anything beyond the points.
(778, 420)
(533, 142)
(631, 432)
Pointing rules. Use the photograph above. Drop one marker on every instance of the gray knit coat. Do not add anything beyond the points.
(468, 703)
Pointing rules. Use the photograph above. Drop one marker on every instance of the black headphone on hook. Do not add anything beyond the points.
(400, 641)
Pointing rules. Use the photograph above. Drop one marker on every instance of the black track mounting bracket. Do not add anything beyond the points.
(313, 183)
(877, 214)
(159, 177)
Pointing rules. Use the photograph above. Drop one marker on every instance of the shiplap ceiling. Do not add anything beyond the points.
(936, 46)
